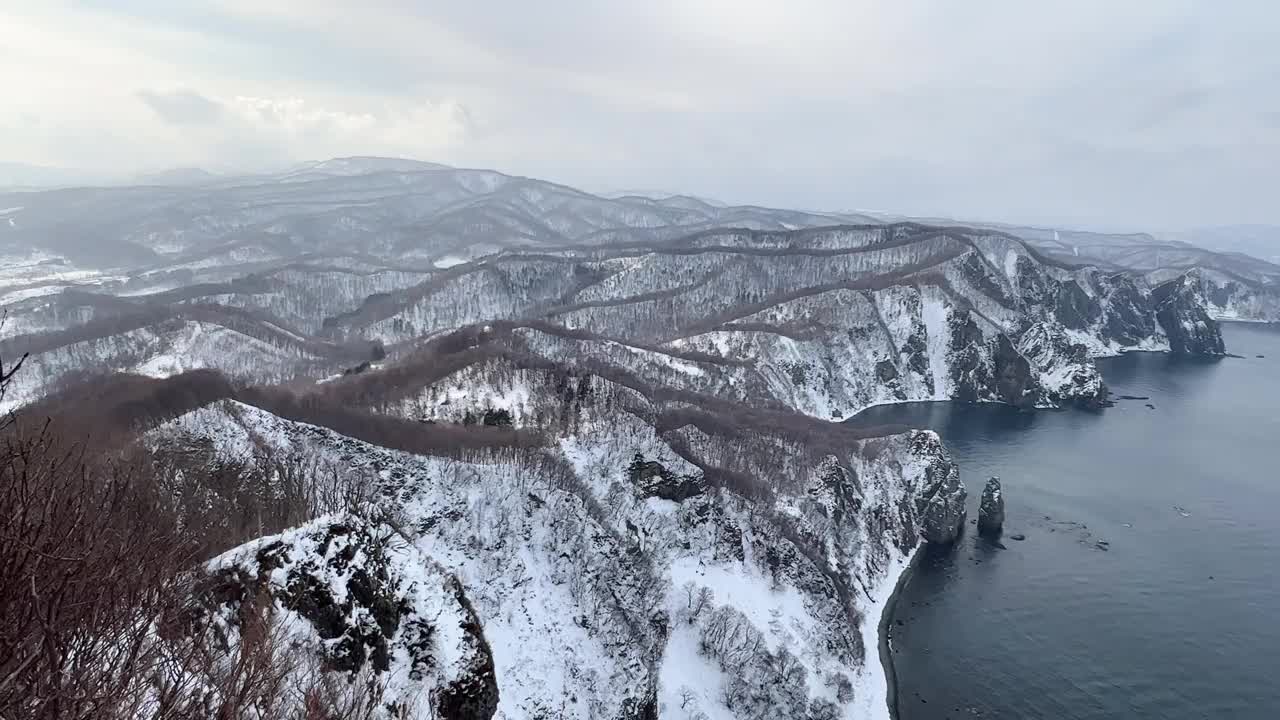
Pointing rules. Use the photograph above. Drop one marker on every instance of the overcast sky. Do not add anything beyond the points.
(1112, 113)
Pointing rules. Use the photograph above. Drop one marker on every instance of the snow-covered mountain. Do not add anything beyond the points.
(1237, 265)
(599, 444)
(826, 321)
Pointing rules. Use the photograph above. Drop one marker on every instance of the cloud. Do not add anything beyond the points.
(301, 129)
(256, 133)
(1138, 114)
(182, 107)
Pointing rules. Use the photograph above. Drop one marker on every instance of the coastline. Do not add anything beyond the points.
(886, 618)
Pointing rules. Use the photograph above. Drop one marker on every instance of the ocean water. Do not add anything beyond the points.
(1148, 585)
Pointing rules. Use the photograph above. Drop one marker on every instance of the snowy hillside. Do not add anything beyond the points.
(826, 321)
(601, 591)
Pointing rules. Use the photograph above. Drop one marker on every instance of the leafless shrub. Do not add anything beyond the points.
(90, 556)
(98, 558)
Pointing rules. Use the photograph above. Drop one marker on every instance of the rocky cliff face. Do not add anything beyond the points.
(357, 598)
(1183, 313)
(647, 561)
(1232, 297)
(941, 501)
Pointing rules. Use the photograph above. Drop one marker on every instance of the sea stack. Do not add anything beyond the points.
(991, 509)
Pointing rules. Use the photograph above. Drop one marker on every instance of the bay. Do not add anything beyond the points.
(1148, 585)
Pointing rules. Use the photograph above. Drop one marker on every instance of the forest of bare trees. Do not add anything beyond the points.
(101, 550)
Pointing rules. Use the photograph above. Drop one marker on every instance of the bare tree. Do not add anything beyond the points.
(100, 609)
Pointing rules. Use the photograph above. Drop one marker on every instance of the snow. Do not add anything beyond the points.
(483, 530)
(14, 296)
(548, 578)
(422, 586)
(936, 316)
(33, 269)
(871, 696)
(1098, 348)
(466, 392)
(156, 351)
(774, 611)
(449, 261)
(674, 363)
(1011, 264)
(685, 668)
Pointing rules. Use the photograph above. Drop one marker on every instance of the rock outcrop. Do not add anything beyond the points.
(1181, 310)
(356, 596)
(1067, 373)
(991, 509)
(653, 479)
(940, 504)
(1232, 297)
(989, 369)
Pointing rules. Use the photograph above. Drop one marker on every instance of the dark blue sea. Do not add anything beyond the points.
(1148, 585)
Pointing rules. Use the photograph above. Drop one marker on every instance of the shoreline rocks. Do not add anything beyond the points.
(991, 508)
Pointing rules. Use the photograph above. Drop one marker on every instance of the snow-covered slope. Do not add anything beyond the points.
(161, 350)
(359, 597)
(1231, 297)
(826, 321)
(597, 595)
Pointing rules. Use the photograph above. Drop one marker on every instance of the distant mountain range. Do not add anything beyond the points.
(1260, 241)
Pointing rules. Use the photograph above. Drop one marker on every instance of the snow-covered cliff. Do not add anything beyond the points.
(1229, 297)
(754, 590)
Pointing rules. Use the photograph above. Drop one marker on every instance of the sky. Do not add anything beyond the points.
(1138, 114)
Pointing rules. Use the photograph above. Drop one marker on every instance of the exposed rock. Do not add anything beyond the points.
(356, 370)
(1014, 383)
(1018, 536)
(371, 601)
(1066, 371)
(1128, 318)
(917, 353)
(991, 509)
(653, 479)
(989, 370)
(474, 694)
(983, 277)
(1181, 309)
(969, 374)
(1232, 297)
(941, 502)
(886, 371)
(1076, 308)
